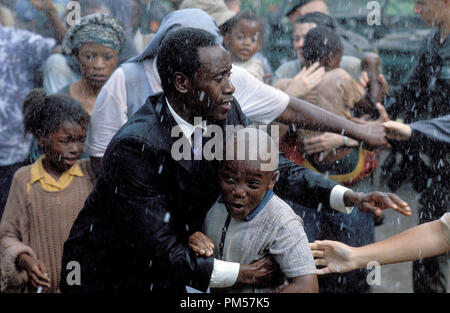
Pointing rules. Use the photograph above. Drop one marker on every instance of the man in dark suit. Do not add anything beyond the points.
(132, 234)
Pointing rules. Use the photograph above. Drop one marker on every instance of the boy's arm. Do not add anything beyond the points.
(302, 284)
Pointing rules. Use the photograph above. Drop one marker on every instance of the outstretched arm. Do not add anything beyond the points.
(308, 116)
(419, 242)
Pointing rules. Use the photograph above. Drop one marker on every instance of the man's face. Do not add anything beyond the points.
(299, 38)
(212, 90)
(431, 11)
(243, 186)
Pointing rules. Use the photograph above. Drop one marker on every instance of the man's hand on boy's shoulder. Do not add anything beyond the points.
(261, 273)
(376, 201)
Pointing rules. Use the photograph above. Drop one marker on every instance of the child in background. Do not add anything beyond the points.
(45, 197)
(342, 161)
(338, 93)
(243, 39)
(249, 221)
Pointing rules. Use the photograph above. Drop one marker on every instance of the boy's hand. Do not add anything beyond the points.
(376, 201)
(36, 270)
(201, 244)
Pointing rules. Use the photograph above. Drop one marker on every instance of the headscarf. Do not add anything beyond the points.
(181, 18)
(98, 28)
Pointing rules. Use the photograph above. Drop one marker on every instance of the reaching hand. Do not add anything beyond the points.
(306, 80)
(325, 142)
(397, 131)
(373, 133)
(334, 255)
(384, 86)
(201, 244)
(376, 201)
(36, 270)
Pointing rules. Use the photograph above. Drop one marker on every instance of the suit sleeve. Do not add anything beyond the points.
(302, 185)
(436, 131)
(137, 207)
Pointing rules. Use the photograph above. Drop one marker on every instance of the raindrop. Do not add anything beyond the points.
(143, 147)
(90, 228)
(150, 264)
(160, 169)
(319, 207)
(167, 219)
(202, 95)
(187, 227)
(115, 190)
(151, 287)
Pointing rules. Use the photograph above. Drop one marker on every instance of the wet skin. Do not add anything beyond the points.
(63, 148)
(211, 90)
(244, 40)
(244, 185)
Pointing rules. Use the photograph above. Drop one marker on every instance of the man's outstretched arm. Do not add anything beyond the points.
(309, 116)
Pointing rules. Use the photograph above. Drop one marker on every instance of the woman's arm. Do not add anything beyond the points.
(419, 242)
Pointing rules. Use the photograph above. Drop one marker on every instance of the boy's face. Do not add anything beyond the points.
(244, 40)
(244, 185)
(212, 91)
(64, 147)
(299, 38)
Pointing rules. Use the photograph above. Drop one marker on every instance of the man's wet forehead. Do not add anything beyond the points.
(215, 57)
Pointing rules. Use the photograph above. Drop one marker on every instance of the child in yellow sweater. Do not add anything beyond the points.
(45, 197)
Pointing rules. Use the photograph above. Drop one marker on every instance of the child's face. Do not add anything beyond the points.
(244, 185)
(244, 40)
(64, 147)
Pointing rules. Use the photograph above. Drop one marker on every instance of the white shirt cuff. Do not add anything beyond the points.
(224, 274)
(337, 199)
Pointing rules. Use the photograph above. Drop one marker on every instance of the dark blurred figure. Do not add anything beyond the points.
(152, 12)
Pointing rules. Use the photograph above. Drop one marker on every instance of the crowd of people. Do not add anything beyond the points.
(154, 144)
